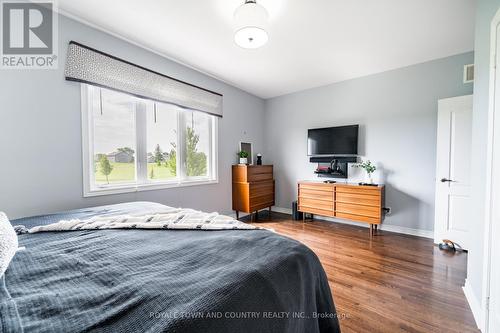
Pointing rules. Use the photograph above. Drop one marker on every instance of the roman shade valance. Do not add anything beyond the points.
(87, 65)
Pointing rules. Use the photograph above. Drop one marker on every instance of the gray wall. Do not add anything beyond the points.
(40, 133)
(397, 113)
(485, 11)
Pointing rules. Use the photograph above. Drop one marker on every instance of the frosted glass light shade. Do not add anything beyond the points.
(250, 25)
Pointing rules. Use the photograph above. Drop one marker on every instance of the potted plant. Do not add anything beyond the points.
(368, 167)
(243, 155)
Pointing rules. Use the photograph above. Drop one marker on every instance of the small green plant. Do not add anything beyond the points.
(243, 154)
(367, 166)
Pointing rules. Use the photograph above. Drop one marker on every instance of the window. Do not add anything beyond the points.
(133, 144)
(161, 120)
(114, 142)
(196, 129)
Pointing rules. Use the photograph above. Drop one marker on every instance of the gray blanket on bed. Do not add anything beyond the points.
(162, 280)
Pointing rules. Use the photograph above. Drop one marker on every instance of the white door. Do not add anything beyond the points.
(453, 170)
(494, 208)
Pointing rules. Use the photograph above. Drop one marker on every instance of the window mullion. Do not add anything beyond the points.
(181, 164)
(141, 142)
(88, 136)
(213, 148)
(210, 148)
(90, 140)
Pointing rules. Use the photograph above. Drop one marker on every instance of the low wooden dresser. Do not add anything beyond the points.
(342, 200)
(253, 188)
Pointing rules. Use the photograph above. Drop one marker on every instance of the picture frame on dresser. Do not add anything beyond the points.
(246, 146)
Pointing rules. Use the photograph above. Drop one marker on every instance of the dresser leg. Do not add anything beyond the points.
(237, 215)
(270, 212)
(371, 230)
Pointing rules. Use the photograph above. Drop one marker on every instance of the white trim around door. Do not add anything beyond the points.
(490, 285)
(453, 218)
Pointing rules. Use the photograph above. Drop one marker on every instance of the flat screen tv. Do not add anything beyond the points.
(341, 140)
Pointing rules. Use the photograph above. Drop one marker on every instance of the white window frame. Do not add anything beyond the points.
(142, 183)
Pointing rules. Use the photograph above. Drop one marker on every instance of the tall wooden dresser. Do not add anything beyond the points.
(253, 188)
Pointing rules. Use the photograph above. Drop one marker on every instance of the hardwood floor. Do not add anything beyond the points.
(390, 283)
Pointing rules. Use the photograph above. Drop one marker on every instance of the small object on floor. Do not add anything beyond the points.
(329, 181)
(296, 215)
(450, 246)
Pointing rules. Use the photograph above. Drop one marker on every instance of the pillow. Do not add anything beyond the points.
(8, 243)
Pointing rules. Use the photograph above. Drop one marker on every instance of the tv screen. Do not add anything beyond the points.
(342, 140)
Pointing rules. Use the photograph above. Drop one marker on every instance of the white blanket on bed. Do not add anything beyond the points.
(173, 218)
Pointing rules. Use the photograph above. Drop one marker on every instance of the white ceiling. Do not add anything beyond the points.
(312, 42)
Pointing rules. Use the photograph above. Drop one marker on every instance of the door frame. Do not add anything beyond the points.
(444, 106)
(491, 156)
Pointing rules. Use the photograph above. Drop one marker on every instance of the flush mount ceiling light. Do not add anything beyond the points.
(251, 23)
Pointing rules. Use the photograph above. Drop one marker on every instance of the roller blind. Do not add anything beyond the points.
(87, 65)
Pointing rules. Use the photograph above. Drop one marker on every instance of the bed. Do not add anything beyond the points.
(162, 280)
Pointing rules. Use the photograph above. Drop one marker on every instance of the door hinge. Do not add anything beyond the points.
(487, 305)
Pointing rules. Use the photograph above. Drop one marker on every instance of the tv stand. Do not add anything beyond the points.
(345, 201)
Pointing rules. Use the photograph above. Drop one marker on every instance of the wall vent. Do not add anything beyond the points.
(469, 73)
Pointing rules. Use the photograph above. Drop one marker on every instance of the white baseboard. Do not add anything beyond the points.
(282, 210)
(386, 227)
(475, 305)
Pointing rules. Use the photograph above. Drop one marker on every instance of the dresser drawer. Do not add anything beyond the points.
(320, 204)
(261, 188)
(358, 218)
(260, 173)
(315, 194)
(261, 201)
(359, 199)
(315, 210)
(316, 187)
(252, 173)
(354, 209)
(370, 190)
(258, 177)
(259, 169)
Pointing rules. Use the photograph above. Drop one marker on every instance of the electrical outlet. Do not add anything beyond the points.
(387, 210)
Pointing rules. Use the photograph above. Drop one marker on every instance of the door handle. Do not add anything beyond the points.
(444, 180)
